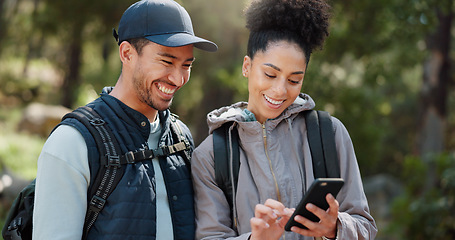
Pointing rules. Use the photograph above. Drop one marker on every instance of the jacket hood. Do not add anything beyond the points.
(218, 117)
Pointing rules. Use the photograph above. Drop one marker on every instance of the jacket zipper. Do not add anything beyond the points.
(270, 163)
(264, 134)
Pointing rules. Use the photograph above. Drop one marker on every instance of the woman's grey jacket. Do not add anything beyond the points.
(271, 167)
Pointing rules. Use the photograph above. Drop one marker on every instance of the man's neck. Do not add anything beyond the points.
(123, 93)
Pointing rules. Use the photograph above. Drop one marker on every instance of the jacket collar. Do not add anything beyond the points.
(132, 117)
(218, 117)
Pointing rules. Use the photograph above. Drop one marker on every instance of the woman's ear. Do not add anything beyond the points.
(246, 66)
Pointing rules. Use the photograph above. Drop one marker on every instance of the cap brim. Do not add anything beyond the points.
(182, 39)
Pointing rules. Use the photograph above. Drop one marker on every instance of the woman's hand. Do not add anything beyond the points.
(327, 226)
(269, 220)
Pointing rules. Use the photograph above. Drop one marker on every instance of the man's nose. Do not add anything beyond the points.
(178, 77)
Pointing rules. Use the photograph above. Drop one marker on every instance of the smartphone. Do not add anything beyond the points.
(316, 195)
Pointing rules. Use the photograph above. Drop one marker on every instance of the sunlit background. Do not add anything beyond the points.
(385, 72)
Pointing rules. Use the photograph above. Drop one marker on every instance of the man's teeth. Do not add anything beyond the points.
(165, 89)
(273, 101)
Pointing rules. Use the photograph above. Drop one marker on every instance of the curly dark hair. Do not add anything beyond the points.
(304, 22)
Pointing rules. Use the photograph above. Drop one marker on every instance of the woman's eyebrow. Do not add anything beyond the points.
(272, 66)
(278, 69)
(298, 72)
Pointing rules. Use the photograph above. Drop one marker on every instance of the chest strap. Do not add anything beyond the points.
(145, 154)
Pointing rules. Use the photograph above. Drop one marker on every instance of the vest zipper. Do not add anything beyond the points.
(264, 133)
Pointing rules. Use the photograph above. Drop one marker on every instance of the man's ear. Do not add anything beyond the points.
(126, 52)
(246, 66)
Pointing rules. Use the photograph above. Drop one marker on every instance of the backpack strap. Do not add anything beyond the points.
(132, 157)
(110, 171)
(183, 144)
(222, 158)
(332, 163)
(321, 139)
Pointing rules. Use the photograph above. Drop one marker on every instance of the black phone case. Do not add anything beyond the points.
(316, 195)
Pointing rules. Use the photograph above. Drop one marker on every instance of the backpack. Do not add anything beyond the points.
(321, 138)
(18, 224)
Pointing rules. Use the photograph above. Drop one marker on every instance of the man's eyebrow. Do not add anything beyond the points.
(167, 55)
(174, 57)
(278, 69)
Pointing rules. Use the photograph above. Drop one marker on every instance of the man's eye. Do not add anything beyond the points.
(167, 62)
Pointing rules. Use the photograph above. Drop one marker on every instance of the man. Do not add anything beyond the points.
(153, 200)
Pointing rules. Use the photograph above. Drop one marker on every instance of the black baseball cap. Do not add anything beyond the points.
(164, 22)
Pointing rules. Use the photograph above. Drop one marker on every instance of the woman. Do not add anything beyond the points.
(273, 141)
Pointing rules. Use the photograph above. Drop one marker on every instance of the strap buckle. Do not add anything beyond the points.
(179, 147)
(97, 122)
(129, 156)
(97, 203)
(15, 224)
(113, 161)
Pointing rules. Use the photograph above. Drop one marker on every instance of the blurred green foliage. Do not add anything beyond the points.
(426, 213)
(18, 150)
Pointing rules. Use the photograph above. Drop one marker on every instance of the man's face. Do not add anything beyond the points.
(159, 72)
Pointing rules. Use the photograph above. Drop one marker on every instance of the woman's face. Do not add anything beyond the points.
(275, 78)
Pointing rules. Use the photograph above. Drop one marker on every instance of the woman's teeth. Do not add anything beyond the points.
(273, 101)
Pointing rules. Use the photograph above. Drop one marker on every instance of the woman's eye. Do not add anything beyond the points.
(294, 82)
(269, 76)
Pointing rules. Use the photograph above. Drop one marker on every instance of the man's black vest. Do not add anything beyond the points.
(130, 212)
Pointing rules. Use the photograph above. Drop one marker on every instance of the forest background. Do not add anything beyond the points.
(386, 71)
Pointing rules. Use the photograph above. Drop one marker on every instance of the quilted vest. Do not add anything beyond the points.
(130, 211)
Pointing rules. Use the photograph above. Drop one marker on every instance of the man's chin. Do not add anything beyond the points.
(161, 107)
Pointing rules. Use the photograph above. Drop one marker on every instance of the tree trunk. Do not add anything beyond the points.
(214, 97)
(32, 47)
(71, 80)
(2, 24)
(433, 97)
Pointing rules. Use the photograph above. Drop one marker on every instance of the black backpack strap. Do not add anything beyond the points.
(222, 156)
(183, 144)
(315, 143)
(321, 139)
(110, 171)
(328, 144)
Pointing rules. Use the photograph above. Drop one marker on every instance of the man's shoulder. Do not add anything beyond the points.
(65, 133)
(65, 140)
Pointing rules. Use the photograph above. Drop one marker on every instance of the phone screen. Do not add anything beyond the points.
(316, 195)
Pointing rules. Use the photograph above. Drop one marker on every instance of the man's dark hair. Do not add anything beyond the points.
(304, 22)
(138, 44)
